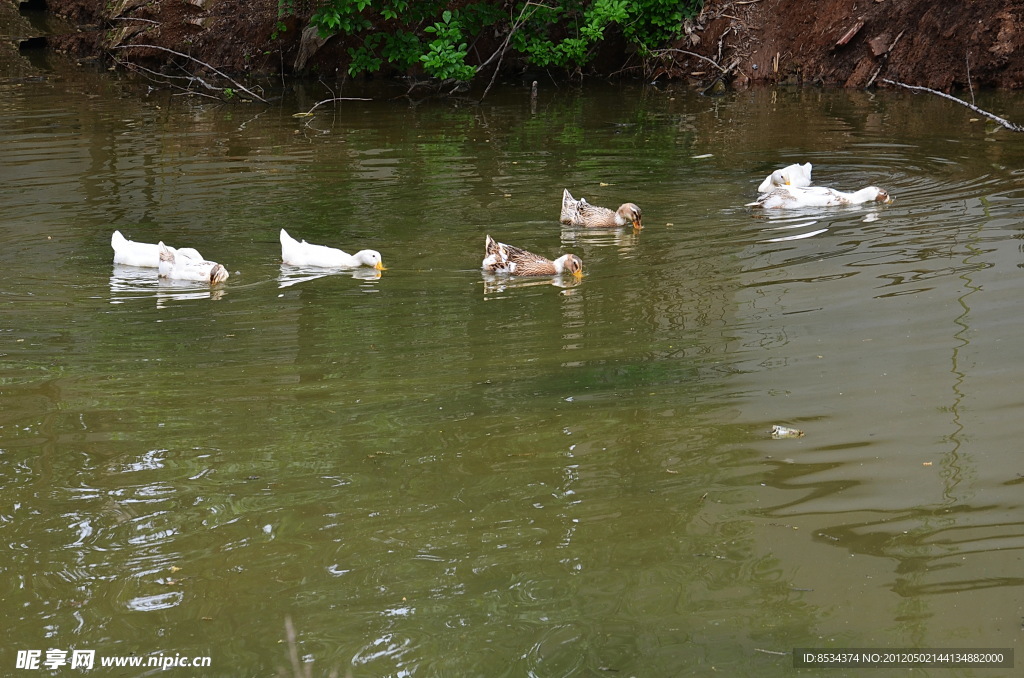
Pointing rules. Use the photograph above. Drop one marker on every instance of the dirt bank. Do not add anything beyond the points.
(829, 42)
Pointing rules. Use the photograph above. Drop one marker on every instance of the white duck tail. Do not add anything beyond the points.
(131, 253)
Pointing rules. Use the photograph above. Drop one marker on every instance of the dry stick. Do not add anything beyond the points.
(1002, 121)
(693, 54)
(327, 101)
(967, 58)
(885, 59)
(504, 46)
(165, 79)
(134, 18)
(201, 63)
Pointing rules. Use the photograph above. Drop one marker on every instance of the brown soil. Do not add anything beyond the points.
(851, 43)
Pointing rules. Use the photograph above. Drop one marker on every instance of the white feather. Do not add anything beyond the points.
(297, 253)
(131, 253)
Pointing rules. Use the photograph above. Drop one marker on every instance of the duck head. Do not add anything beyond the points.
(218, 274)
(569, 263)
(370, 258)
(630, 213)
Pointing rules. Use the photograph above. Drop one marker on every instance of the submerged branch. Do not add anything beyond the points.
(327, 101)
(991, 116)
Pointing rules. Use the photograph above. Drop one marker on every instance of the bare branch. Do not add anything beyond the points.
(1005, 123)
(134, 18)
(239, 86)
(661, 52)
(967, 59)
(165, 79)
(327, 101)
(500, 53)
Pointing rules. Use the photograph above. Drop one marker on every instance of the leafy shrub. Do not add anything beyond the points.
(562, 33)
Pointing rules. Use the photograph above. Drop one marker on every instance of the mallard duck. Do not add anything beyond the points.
(794, 175)
(176, 267)
(582, 213)
(818, 196)
(131, 253)
(303, 253)
(502, 258)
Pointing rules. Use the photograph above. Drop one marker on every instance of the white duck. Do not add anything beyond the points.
(175, 267)
(131, 253)
(794, 175)
(818, 196)
(303, 253)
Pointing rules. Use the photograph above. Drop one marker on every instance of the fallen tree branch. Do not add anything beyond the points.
(238, 85)
(327, 101)
(661, 52)
(500, 53)
(884, 60)
(165, 79)
(991, 116)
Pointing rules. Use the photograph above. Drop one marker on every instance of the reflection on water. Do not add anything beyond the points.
(293, 275)
(495, 285)
(128, 283)
(578, 479)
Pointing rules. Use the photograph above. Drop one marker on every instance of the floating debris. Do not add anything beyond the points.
(779, 431)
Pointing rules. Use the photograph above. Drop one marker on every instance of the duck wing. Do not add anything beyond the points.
(570, 208)
(523, 262)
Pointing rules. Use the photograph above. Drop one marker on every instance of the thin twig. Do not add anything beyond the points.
(134, 18)
(201, 63)
(165, 78)
(967, 58)
(661, 52)
(500, 53)
(327, 101)
(885, 60)
(1002, 121)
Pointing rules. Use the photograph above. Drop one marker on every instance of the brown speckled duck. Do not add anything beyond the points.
(502, 258)
(582, 213)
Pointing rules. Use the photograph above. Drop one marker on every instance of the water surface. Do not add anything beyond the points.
(434, 473)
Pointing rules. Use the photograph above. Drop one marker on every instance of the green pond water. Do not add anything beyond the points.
(433, 473)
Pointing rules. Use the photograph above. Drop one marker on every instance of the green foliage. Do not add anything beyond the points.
(446, 56)
(341, 16)
(560, 33)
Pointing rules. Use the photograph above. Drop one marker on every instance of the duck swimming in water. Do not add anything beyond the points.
(818, 196)
(582, 213)
(173, 266)
(303, 253)
(502, 258)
